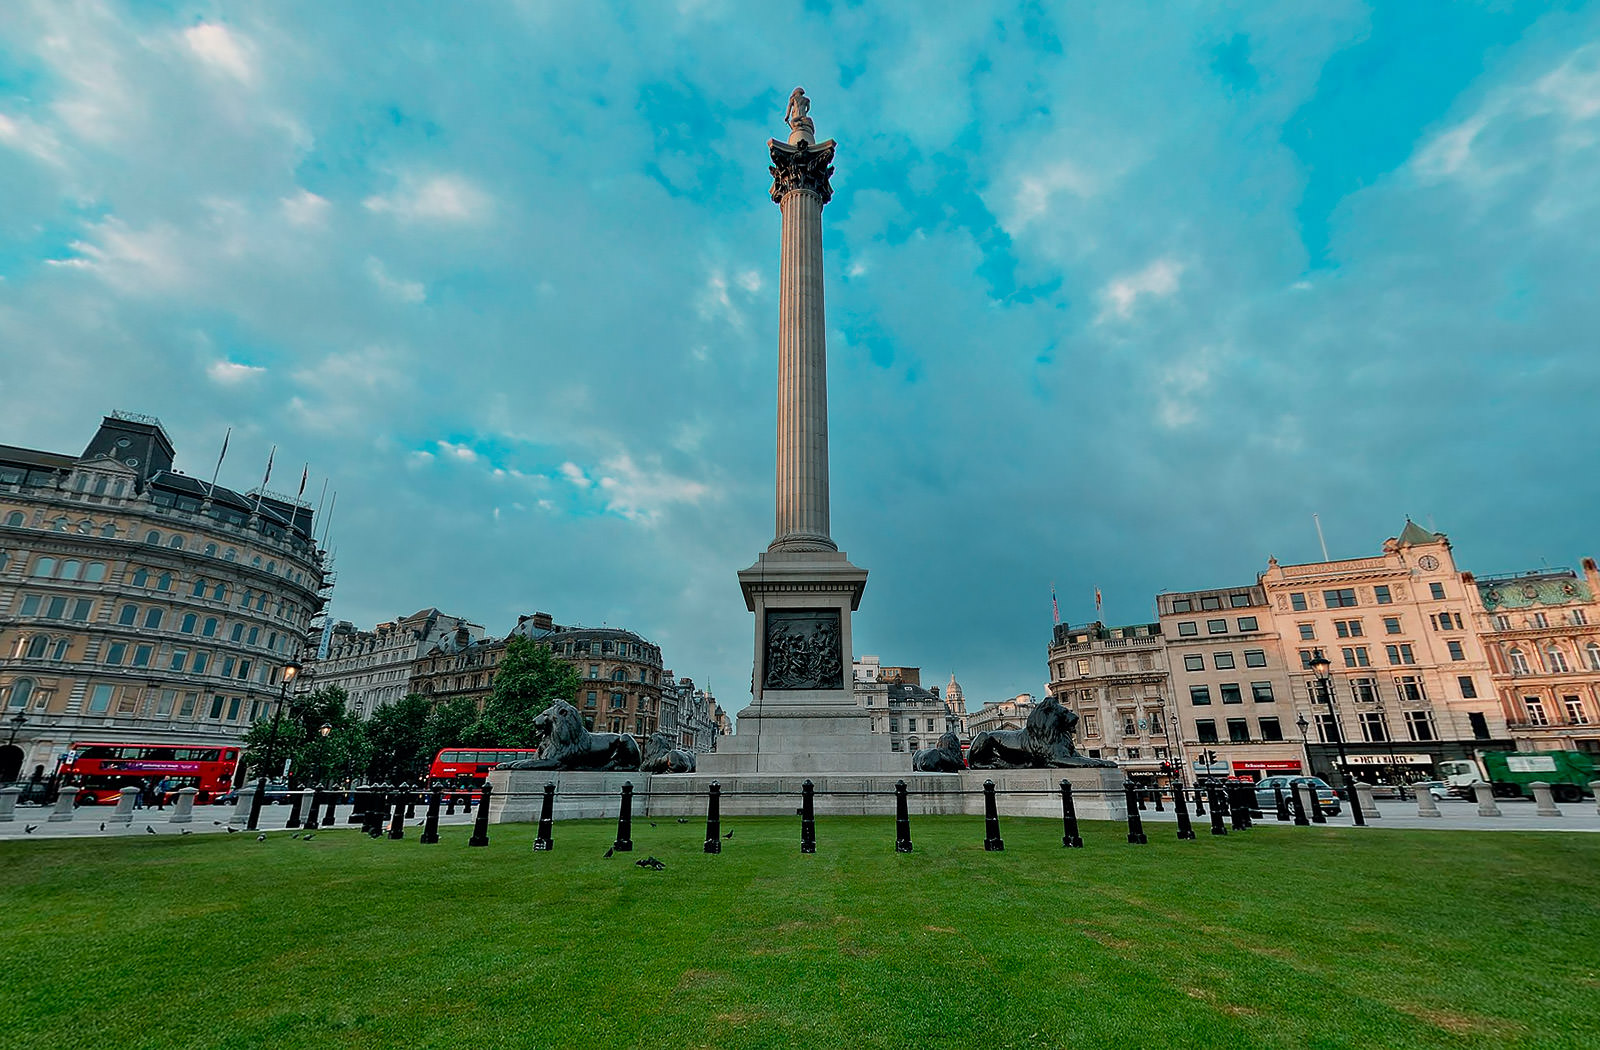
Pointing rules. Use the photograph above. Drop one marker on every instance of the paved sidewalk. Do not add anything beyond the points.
(208, 820)
(1454, 815)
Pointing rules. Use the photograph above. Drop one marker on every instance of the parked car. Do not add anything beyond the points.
(1437, 788)
(1267, 796)
(276, 793)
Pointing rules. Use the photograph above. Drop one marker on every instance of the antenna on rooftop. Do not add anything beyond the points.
(1318, 522)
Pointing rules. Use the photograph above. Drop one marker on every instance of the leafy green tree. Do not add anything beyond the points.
(528, 678)
(453, 724)
(314, 758)
(398, 736)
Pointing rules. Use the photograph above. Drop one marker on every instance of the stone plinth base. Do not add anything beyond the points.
(1097, 793)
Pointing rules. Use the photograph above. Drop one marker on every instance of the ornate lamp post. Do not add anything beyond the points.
(290, 669)
(1322, 667)
(17, 721)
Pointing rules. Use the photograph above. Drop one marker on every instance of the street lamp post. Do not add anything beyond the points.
(290, 669)
(1322, 667)
(1305, 741)
(17, 721)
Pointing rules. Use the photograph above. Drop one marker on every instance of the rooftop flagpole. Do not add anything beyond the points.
(220, 455)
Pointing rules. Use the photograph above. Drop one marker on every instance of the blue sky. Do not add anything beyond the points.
(1118, 294)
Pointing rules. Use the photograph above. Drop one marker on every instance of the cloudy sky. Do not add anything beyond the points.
(1118, 294)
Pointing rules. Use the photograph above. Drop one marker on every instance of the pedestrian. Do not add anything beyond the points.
(161, 794)
(138, 799)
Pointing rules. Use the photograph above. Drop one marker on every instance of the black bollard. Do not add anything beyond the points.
(1282, 803)
(808, 820)
(333, 802)
(1136, 836)
(902, 819)
(450, 807)
(1317, 816)
(1069, 819)
(294, 810)
(547, 819)
(1299, 803)
(430, 830)
(316, 804)
(411, 803)
(466, 803)
(1185, 829)
(991, 821)
(255, 804)
(480, 829)
(1199, 801)
(1140, 792)
(397, 824)
(1355, 803)
(1158, 794)
(624, 843)
(1238, 814)
(1216, 811)
(714, 818)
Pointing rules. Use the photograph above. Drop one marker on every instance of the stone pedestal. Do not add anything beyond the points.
(1369, 808)
(241, 808)
(1486, 804)
(1426, 806)
(183, 810)
(8, 802)
(1544, 799)
(124, 812)
(1594, 789)
(65, 809)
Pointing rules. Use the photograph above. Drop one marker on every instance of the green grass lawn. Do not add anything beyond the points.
(1277, 937)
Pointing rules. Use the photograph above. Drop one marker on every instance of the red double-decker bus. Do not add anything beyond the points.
(465, 767)
(99, 772)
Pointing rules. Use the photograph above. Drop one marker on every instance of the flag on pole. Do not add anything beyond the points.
(221, 454)
(1055, 610)
(265, 478)
(1097, 601)
(304, 474)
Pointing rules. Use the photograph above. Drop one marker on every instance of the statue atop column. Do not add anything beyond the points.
(801, 163)
(801, 127)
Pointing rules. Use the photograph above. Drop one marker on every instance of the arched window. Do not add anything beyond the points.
(210, 630)
(5, 559)
(108, 530)
(85, 527)
(165, 583)
(238, 632)
(256, 561)
(14, 519)
(100, 485)
(141, 577)
(1592, 652)
(1519, 661)
(59, 525)
(1555, 660)
(37, 646)
(61, 649)
(272, 567)
(619, 675)
(153, 538)
(912, 745)
(199, 590)
(44, 567)
(69, 570)
(94, 572)
(21, 690)
(176, 543)
(261, 602)
(211, 550)
(188, 623)
(220, 594)
(152, 619)
(244, 602)
(229, 556)
(128, 615)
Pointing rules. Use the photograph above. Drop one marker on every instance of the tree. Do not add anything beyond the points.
(399, 739)
(313, 758)
(528, 678)
(452, 725)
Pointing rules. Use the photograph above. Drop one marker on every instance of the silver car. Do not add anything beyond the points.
(1267, 792)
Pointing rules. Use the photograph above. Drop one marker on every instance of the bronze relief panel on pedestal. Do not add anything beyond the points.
(804, 649)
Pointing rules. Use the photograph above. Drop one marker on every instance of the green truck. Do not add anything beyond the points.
(1509, 773)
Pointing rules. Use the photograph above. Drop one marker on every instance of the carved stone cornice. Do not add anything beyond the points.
(801, 167)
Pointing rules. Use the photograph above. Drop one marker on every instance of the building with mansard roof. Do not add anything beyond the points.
(139, 604)
(375, 667)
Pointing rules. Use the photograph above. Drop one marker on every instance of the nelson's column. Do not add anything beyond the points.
(803, 716)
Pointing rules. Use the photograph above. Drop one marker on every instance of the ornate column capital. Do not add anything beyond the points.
(801, 167)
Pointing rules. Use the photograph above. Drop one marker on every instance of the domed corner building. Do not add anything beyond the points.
(621, 672)
(139, 605)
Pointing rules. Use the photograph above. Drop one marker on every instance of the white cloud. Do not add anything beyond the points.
(642, 495)
(1031, 199)
(30, 138)
(1158, 280)
(233, 373)
(574, 474)
(137, 262)
(218, 48)
(716, 304)
(461, 453)
(442, 198)
(305, 209)
(750, 281)
(405, 291)
(1181, 386)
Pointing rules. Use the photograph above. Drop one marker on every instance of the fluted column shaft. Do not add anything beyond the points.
(802, 475)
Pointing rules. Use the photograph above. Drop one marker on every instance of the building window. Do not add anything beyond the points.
(1373, 727)
(1409, 687)
(1230, 693)
(1327, 728)
(1194, 662)
(1381, 594)
(1188, 629)
(176, 543)
(1091, 725)
(1437, 590)
(1306, 656)
(1297, 601)
(233, 708)
(1222, 661)
(1519, 661)
(1205, 729)
(1578, 618)
(1248, 623)
(152, 619)
(1456, 652)
(1356, 656)
(141, 655)
(1238, 601)
(1210, 602)
(1469, 691)
(1400, 654)
(1536, 714)
(1342, 598)
(179, 658)
(1261, 692)
(1270, 729)
(1347, 628)
(116, 653)
(128, 615)
(1555, 660)
(1255, 658)
(1592, 654)
(618, 700)
(44, 567)
(100, 700)
(1179, 605)
(1217, 626)
(1365, 690)
(1308, 632)
(1575, 712)
(1391, 624)
(1238, 731)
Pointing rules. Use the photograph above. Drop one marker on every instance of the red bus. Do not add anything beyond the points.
(462, 767)
(101, 771)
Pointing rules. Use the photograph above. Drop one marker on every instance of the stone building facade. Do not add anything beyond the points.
(1541, 630)
(1233, 700)
(1411, 680)
(1117, 679)
(622, 674)
(138, 604)
(377, 667)
(1011, 713)
(692, 717)
(913, 717)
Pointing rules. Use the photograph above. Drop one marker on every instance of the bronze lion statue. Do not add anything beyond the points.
(661, 757)
(565, 744)
(943, 757)
(1044, 741)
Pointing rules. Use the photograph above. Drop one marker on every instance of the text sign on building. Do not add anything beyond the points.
(1530, 763)
(1391, 760)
